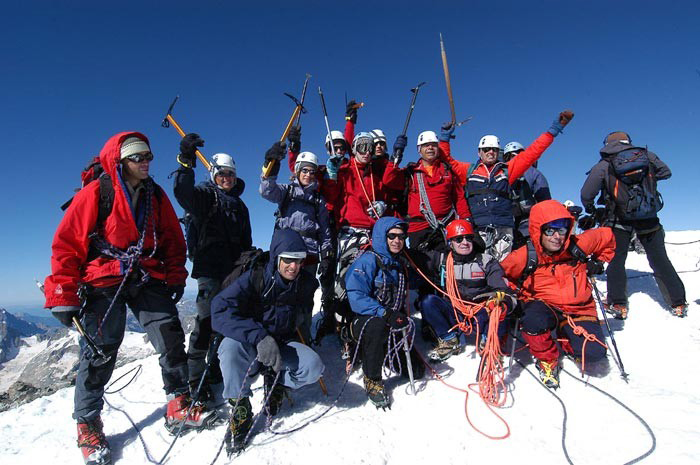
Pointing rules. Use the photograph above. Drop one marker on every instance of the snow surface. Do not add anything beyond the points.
(658, 350)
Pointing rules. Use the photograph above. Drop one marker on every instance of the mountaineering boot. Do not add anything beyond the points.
(177, 414)
(239, 425)
(327, 324)
(681, 311)
(445, 349)
(376, 393)
(619, 311)
(93, 443)
(549, 373)
(276, 397)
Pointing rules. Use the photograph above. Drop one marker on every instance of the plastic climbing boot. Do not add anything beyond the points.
(619, 311)
(445, 349)
(276, 397)
(239, 425)
(179, 414)
(549, 373)
(376, 393)
(681, 311)
(93, 443)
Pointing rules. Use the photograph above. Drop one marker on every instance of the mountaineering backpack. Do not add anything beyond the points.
(94, 171)
(523, 197)
(631, 185)
(254, 259)
(195, 231)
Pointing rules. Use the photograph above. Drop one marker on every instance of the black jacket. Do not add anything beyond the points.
(227, 232)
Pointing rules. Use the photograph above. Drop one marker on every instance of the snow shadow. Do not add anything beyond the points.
(119, 441)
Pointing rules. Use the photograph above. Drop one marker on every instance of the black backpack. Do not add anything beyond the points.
(195, 231)
(631, 185)
(254, 259)
(92, 172)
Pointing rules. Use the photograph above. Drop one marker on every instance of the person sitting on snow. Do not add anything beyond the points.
(557, 294)
(474, 275)
(377, 287)
(257, 314)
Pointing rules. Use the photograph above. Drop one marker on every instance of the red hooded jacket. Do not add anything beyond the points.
(69, 265)
(559, 280)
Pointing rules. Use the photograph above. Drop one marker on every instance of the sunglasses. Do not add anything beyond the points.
(549, 231)
(338, 148)
(381, 142)
(139, 157)
(489, 149)
(225, 174)
(460, 239)
(400, 236)
(289, 260)
(308, 171)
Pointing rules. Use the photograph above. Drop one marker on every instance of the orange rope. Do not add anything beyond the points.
(580, 331)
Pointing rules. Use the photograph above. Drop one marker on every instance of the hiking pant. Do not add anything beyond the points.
(439, 314)
(669, 282)
(152, 305)
(498, 240)
(303, 321)
(201, 336)
(538, 322)
(300, 366)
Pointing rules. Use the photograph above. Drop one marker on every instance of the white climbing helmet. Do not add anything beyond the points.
(305, 159)
(221, 161)
(426, 137)
(336, 135)
(489, 140)
(513, 147)
(378, 135)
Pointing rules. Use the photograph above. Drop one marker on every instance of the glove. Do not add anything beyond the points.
(325, 265)
(594, 267)
(586, 222)
(351, 112)
(575, 210)
(447, 131)
(273, 155)
(562, 120)
(65, 314)
(294, 139)
(399, 146)
(269, 353)
(377, 206)
(188, 147)
(332, 167)
(396, 320)
(175, 292)
(495, 301)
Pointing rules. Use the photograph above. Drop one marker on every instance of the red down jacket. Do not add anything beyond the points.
(69, 250)
(558, 280)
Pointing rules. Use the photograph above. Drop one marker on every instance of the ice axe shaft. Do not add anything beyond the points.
(446, 70)
(170, 120)
(331, 151)
(409, 364)
(414, 91)
(303, 97)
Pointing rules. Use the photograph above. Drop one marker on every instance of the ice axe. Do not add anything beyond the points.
(446, 70)
(409, 364)
(331, 151)
(298, 109)
(169, 120)
(399, 153)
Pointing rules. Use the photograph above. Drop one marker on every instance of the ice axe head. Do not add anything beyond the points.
(415, 89)
(297, 102)
(166, 123)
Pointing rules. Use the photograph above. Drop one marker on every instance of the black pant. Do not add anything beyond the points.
(201, 337)
(670, 284)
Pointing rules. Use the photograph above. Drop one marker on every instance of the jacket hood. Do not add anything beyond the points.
(542, 213)
(614, 147)
(110, 155)
(381, 227)
(285, 240)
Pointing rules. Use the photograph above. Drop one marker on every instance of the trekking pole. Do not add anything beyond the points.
(512, 349)
(321, 382)
(409, 364)
(169, 120)
(414, 91)
(618, 360)
(99, 358)
(298, 109)
(447, 80)
(328, 128)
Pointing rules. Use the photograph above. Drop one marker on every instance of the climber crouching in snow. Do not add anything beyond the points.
(256, 314)
(377, 287)
(556, 292)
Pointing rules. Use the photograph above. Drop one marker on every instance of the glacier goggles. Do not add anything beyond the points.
(460, 239)
(392, 236)
(489, 149)
(557, 226)
(364, 147)
(139, 157)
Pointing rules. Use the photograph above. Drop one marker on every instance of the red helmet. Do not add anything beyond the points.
(459, 228)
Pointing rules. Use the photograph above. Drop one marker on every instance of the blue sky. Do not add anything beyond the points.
(74, 73)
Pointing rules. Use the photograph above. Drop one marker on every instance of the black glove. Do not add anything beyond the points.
(294, 139)
(175, 292)
(325, 265)
(65, 314)
(586, 222)
(351, 112)
(276, 152)
(399, 146)
(188, 147)
(269, 353)
(396, 320)
(594, 267)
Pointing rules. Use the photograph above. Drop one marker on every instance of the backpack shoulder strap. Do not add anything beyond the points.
(106, 201)
(531, 262)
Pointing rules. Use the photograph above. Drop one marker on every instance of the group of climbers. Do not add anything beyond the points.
(479, 242)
